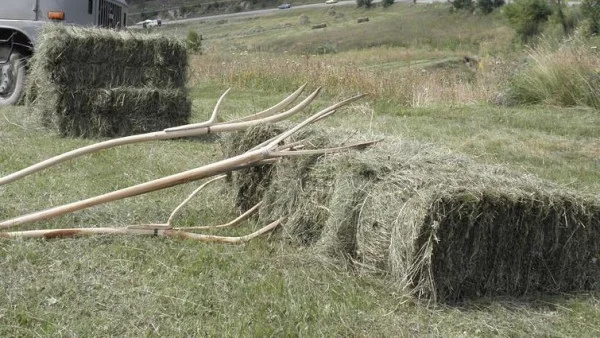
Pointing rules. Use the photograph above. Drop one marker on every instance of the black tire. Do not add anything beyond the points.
(12, 77)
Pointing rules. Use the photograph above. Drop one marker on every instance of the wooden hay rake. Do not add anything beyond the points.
(263, 153)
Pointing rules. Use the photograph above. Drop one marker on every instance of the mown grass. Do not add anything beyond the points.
(148, 286)
(134, 286)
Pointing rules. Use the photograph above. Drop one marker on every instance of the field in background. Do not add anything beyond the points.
(420, 87)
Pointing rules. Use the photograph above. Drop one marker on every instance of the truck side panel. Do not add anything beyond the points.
(18, 10)
(80, 12)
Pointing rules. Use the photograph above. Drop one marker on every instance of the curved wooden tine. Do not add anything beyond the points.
(325, 112)
(66, 233)
(275, 109)
(196, 191)
(230, 224)
(235, 126)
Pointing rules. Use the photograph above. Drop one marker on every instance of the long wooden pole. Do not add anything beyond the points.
(158, 184)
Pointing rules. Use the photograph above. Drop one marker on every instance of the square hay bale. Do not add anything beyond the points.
(92, 82)
(70, 57)
(114, 112)
(498, 241)
(440, 225)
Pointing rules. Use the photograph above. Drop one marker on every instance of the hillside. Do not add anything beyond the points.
(174, 9)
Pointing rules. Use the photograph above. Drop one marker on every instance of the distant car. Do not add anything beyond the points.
(150, 23)
(331, 2)
(284, 6)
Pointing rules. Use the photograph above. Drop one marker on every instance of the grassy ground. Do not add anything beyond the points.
(130, 286)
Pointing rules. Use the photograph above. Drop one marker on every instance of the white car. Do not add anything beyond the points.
(150, 23)
(331, 1)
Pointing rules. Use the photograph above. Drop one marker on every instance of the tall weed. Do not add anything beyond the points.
(565, 76)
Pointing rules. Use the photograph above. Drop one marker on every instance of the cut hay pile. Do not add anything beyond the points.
(441, 225)
(92, 82)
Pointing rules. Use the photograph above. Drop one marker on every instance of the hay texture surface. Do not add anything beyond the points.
(250, 184)
(440, 225)
(95, 82)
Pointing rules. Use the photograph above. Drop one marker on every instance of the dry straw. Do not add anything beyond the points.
(440, 225)
(94, 82)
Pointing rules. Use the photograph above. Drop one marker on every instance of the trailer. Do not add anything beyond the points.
(21, 22)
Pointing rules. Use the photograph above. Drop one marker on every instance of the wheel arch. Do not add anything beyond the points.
(20, 40)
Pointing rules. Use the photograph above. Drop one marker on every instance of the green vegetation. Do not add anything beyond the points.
(567, 76)
(527, 17)
(387, 3)
(487, 6)
(364, 3)
(590, 10)
(422, 88)
(193, 42)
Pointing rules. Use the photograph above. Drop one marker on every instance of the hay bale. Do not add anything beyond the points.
(91, 82)
(302, 188)
(99, 58)
(300, 192)
(249, 184)
(113, 112)
(499, 241)
(304, 19)
(441, 225)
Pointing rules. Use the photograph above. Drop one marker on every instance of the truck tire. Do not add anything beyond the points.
(12, 80)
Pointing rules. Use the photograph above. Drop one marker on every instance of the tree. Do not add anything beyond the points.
(462, 4)
(591, 11)
(487, 6)
(527, 17)
(387, 3)
(364, 3)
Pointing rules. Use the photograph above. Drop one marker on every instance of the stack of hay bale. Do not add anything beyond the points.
(90, 82)
(441, 225)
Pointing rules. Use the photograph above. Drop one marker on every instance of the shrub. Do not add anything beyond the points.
(304, 19)
(364, 3)
(193, 41)
(387, 3)
(487, 6)
(591, 11)
(527, 17)
(462, 4)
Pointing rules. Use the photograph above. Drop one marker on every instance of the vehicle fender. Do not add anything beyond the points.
(28, 32)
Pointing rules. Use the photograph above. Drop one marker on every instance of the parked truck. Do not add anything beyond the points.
(21, 22)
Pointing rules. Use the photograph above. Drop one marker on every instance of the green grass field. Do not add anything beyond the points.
(145, 286)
